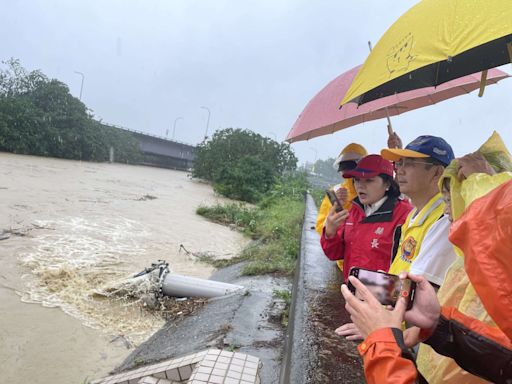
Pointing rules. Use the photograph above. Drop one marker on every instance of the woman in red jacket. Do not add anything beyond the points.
(367, 235)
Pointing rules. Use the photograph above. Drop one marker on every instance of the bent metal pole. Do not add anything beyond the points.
(170, 284)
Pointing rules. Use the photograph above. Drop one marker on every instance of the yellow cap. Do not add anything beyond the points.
(395, 154)
(355, 148)
(352, 151)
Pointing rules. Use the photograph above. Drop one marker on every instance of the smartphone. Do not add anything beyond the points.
(385, 287)
(331, 195)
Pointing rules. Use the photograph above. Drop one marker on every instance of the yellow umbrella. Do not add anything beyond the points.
(433, 42)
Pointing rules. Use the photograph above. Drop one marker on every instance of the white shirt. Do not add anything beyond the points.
(371, 208)
(436, 253)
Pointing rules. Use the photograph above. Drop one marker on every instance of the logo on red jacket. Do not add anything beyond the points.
(408, 248)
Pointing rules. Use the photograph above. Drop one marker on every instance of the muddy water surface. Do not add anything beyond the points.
(78, 228)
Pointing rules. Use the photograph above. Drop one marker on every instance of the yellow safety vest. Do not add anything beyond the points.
(413, 231)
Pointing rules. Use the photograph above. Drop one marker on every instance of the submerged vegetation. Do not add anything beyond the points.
(274, 224)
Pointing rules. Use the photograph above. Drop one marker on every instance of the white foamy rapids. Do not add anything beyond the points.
(75, 257)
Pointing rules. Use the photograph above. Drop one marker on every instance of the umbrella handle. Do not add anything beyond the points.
(483, 81)
(390, 126)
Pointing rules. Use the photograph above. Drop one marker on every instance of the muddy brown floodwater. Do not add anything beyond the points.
(77, 228)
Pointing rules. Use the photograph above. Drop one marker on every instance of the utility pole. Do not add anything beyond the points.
(82, 84)
(207, 122)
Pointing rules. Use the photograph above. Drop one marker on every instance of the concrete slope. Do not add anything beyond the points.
(314, 353)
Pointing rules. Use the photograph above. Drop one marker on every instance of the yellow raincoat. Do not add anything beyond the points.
(457, 291)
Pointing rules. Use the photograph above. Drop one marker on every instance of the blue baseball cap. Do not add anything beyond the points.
(422, 147)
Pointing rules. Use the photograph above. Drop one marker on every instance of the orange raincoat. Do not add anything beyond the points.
(484, 235)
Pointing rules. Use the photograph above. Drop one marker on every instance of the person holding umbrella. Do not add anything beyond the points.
(424, 247)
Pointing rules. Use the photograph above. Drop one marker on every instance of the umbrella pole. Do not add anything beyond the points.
(483, 81)
(390, 126)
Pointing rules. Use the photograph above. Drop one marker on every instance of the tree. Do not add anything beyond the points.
(242, 164)
(39, 116)
(325, 169)
(15, 80)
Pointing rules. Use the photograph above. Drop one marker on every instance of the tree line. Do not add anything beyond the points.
(39, 116)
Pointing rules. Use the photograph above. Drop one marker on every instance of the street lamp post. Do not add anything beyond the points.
(207, 122)
(82, 84)
(174, 126)
(316, 155)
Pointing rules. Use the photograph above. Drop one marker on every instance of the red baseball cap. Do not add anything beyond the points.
(370, 166)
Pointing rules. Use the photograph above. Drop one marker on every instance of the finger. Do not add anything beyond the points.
(418, 279)
(355, 337)
(401, 307)
(346, 329)
(352, 303)
(344, 332)
(460, 174)
(345, 214)
(340, 214)
(363, 292)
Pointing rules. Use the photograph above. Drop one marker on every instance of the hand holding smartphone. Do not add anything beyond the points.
(331, 195)
(387, 288)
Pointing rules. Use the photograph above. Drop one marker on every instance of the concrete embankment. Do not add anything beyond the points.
(307, 352)
(314, 353)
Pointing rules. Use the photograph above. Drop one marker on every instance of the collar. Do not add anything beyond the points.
(419, 217)
(384, 213)
(371, 208)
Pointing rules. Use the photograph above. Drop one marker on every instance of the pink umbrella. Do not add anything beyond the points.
(322, 114)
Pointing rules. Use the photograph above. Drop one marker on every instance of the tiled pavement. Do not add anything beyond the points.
(210, 366)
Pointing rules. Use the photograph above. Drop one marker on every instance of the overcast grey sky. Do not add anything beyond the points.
(254, 64)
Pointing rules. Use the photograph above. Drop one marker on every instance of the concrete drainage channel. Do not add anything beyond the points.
(245, 329)
(313, 352)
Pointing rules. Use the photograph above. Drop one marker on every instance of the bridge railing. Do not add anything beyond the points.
(146, 134)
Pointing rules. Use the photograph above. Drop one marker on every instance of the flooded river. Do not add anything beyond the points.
(78, 228)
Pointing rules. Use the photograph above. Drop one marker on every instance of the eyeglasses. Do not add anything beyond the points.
(408, 163)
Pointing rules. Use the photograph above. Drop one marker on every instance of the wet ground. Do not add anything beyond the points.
(243, 322)
(315, 354)
(307, 352)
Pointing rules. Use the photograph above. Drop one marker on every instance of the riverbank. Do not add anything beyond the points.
(76, 227)
(307, 352)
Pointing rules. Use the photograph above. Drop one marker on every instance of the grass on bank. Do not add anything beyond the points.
(275, 225)
(318, 195)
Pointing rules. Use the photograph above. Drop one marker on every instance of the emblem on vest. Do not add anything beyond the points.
(379, 231)
(375, 243)
(407, 249)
